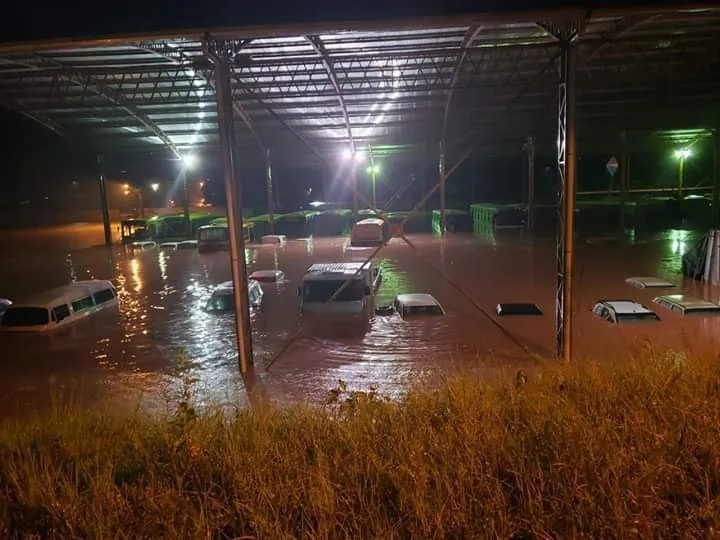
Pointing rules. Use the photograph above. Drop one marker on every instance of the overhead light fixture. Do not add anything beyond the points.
(189, 161)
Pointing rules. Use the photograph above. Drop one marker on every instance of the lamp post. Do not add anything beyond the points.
(356, 157)
(682, 155)
(373, 171)
(188, 162)
(127, 190)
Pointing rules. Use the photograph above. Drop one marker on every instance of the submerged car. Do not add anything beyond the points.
(268, 276)
(222, 299)
(188, 244)
(649, 283)
(4, 305)
(623, 311)
(687, 305)
(145, 244)
(274, 239)
(410, 305)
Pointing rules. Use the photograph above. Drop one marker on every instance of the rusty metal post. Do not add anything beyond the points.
(716, 180)
(441, 170)
(566, 199)
(624, 170)
(234, 211)
(353, 171)
(530, 152)
(186, 205)
(269, 183)
(107, 228)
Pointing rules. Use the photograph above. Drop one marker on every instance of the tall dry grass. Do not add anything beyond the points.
(631, 451)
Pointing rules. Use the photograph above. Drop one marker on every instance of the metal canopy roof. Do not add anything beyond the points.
(470, 82)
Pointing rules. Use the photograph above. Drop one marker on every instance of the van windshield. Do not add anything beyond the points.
(422, 310)
(215, 234)
(25, 316)
(322, 290)
(633, 317)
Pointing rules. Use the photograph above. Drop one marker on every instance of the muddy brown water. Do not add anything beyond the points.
(128, 355)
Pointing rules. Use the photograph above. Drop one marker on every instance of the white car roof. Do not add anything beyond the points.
(417, 299)
(643, 282)
(65, 294)
(267, 274)
(370, 221)
(687, 302)
(226, 287)
(339, 268)
(625, 307)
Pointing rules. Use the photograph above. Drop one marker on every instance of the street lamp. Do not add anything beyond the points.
(155, 187)
(373, 170)
(682, 155)
(189, 161)
(128, 189)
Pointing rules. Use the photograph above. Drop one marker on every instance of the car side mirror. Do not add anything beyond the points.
(299, 291)
(368, 291)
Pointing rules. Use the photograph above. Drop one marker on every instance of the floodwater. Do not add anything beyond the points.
(129, 355)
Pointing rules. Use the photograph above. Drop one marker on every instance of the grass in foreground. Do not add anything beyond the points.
(581, 451)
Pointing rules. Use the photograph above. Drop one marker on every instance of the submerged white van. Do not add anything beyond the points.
(59, 307)
(368, 232)
(322, 280)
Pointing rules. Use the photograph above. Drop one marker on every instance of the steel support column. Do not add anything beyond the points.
(104, 201)
(186, 205)
(269, 186)
(624, 171)
(223, 93)
(354, 173)
(566, 198)
(716, 180)
(441, 170)
(530, 155)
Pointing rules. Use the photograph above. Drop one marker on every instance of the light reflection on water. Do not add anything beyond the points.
(161, 295)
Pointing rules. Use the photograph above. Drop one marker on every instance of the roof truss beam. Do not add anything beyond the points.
(36, 116)
(467, 42)
(178, 57)
(78, 78)
(317, 44)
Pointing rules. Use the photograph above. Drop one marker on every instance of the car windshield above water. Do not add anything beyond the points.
(322, 290)
(26, 316)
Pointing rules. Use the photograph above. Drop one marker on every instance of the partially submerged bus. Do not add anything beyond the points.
(216, 236)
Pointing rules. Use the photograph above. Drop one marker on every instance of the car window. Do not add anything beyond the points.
(61, 312)
(254, 295)
(82, 304)
(106, 295)
(422, 310)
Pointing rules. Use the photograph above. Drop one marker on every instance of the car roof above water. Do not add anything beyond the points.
(342, 268)
(625, 307)
(417, 300)
(227, 288)
(66, 293)
(687, 302)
